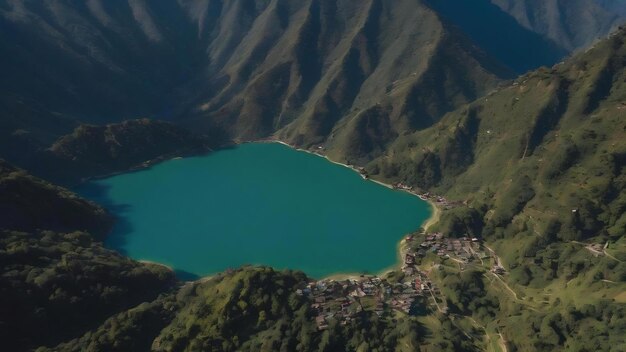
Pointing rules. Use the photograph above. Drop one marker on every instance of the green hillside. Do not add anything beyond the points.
(92, 150)
(545, 154)
(534, 168)
(540, 168)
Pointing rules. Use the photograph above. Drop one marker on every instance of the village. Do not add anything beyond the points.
(343, 300)
(407, 292)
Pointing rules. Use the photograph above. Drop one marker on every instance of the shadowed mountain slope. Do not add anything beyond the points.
(617, 6)
(571, 24)
(101, 150)
(500, 34)
(28, 203)
(240, 69)
(332, 61)
(309, 72)
(57, 281)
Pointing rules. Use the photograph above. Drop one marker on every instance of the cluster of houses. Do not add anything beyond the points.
(342, 301)
(465, 248)
(440, 201)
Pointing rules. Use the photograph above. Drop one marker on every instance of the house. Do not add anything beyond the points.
(498, 270)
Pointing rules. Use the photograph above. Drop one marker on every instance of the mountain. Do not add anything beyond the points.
(240, 70)
(501, 34)
(257, 309)
(101, 150)
(56, 280)
(28, 203)
(617, 6)
(554, 136)
(540, 168)
(308, 72)
(527, 34)
(533, 167)
(571, 24)
(330, 65)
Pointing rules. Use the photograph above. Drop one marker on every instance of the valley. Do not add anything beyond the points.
(520, 144)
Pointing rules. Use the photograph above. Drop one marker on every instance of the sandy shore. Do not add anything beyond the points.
(433, 218)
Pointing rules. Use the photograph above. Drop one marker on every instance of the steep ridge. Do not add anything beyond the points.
(308, 72)
(98, 60)
(540, 161)
(539, 169)
(309, 81)
(571, 24)
(501, 34)
(239, 69)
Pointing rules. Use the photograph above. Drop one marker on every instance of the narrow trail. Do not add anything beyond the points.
(596, 252)
(612, 257)
(435, 300)
(502, 342)
(515, 296)
(507, 287)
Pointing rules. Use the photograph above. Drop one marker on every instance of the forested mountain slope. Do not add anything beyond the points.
(538, 162)
(240, 69)
(92, 150)
(56, 280)
(540, 167)
(309, 72)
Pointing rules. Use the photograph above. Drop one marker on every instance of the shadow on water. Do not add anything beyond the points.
(99, 193)
(117, 238)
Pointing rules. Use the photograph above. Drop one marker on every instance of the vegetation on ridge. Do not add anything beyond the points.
(539, 166)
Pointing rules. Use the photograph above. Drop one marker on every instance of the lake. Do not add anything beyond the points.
(258, 203)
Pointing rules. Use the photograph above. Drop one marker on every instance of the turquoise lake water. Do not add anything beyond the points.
(260, 203)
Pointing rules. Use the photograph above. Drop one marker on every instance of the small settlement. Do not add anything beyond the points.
(343, 300)
(407, 293)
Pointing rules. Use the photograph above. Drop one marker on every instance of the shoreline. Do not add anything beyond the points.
(339, 276)
(432, 220)
(142, 261)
